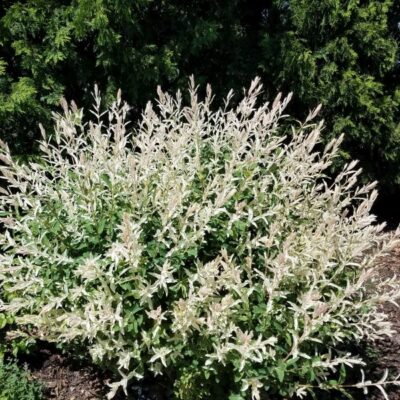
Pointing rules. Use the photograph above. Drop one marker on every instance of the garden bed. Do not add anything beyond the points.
(63, 379)
(387, 352)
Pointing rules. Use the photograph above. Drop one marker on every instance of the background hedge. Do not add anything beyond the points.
(342, 53)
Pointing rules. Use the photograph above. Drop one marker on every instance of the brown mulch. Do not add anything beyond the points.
(62, 380)
(388, 350)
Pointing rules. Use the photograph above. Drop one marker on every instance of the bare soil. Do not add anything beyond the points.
(387, 351)
(63, 379)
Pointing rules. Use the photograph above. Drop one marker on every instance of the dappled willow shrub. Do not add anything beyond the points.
(200, 243)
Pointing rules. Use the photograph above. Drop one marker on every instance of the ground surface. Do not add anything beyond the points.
(387, 351)
(65, 380)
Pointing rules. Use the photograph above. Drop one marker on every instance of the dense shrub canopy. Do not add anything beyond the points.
(342, 54)
(199, 243)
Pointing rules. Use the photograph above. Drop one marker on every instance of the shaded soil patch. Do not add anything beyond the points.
(387, 351)
(63, 379)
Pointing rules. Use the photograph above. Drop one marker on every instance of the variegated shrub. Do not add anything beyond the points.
(199, 243)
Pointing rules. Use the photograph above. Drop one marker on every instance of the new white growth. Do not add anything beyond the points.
(198, 233)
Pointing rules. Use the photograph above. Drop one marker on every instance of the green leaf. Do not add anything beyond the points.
(236, 397)
(280, 372)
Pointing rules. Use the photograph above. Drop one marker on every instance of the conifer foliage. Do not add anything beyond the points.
(343, 54)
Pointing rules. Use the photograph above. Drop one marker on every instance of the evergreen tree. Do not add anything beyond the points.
(341, 53)
(54, 48)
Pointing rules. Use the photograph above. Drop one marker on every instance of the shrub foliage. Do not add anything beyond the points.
(199, 243)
